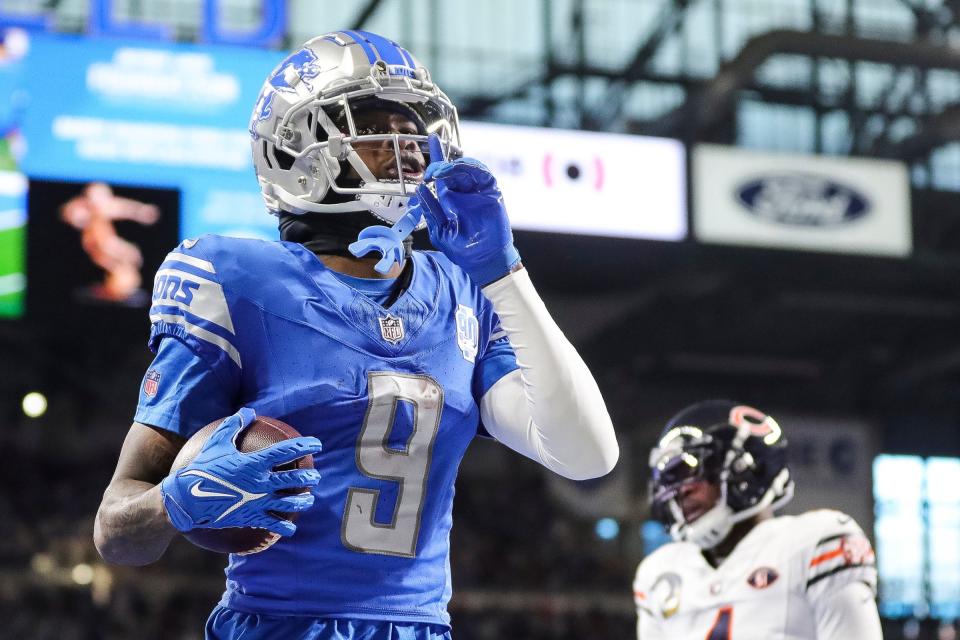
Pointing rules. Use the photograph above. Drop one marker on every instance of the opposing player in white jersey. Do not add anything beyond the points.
(736, 571)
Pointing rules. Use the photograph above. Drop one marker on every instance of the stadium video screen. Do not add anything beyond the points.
(917, 528)
(94, 243)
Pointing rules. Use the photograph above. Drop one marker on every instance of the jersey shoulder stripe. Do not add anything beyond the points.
(197, 263)
(189, 302)
(840, 548)
(840, 553)
(197, 327)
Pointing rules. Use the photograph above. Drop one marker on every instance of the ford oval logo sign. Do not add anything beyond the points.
(802, 199)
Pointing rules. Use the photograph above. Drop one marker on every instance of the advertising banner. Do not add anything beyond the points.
(793, 201)
(584, 182)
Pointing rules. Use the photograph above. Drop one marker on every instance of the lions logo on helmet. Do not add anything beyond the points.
(262, 111)
(301, 65)
(304, 134)
(738, 448)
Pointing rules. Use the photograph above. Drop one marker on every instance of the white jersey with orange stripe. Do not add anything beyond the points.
(773, 586)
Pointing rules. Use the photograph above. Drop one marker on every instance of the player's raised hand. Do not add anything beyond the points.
(465, 216)
(223, 487)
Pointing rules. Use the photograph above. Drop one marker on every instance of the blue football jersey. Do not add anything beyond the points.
(392, 393)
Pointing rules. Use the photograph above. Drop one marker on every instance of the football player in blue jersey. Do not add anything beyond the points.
(394, 361)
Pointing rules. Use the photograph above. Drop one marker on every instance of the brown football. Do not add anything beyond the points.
(259, 434)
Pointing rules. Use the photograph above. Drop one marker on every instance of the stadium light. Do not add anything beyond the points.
(82, 574)
(42, 563)
(607, 528)
(34, 404)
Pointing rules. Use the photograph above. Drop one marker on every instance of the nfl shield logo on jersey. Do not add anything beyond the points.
(151, 382)
(468, 332)
(391, 328)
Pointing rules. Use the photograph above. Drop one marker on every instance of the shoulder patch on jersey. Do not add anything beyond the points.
(763, 577)
(665, 593)
(841, 546)
(468, 332)
(151, 382)
(658, 586)
(187, 294)
(838, 553)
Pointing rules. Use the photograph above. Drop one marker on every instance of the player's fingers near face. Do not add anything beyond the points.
(472, 162)
(294, 479)
(459, 179)
(291, 504)
(436, 149)
(434, 168)
(466, 176)
(434, 214)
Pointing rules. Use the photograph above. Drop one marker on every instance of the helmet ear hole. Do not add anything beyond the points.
(266, 155)
(284, 159)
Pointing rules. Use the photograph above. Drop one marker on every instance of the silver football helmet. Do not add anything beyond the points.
(304, 127)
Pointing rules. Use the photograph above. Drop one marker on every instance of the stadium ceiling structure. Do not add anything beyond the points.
(891, 84)
(836, 331)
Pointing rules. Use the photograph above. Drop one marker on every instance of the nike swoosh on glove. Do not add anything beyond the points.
(223, 487)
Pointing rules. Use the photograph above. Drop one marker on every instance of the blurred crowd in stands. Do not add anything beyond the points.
(524, 567)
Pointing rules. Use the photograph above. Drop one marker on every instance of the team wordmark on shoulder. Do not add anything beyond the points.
(186, 293)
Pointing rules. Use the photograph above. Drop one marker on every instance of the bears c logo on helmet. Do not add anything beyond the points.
(761, 425)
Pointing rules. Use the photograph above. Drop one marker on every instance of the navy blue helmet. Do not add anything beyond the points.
(739, 449)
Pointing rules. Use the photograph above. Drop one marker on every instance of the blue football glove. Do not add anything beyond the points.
(465, 216)
(223, 487)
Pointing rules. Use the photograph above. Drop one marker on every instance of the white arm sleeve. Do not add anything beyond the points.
(849, 612)
(550, 410)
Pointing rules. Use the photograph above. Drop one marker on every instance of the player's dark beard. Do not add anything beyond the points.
(331, 233)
